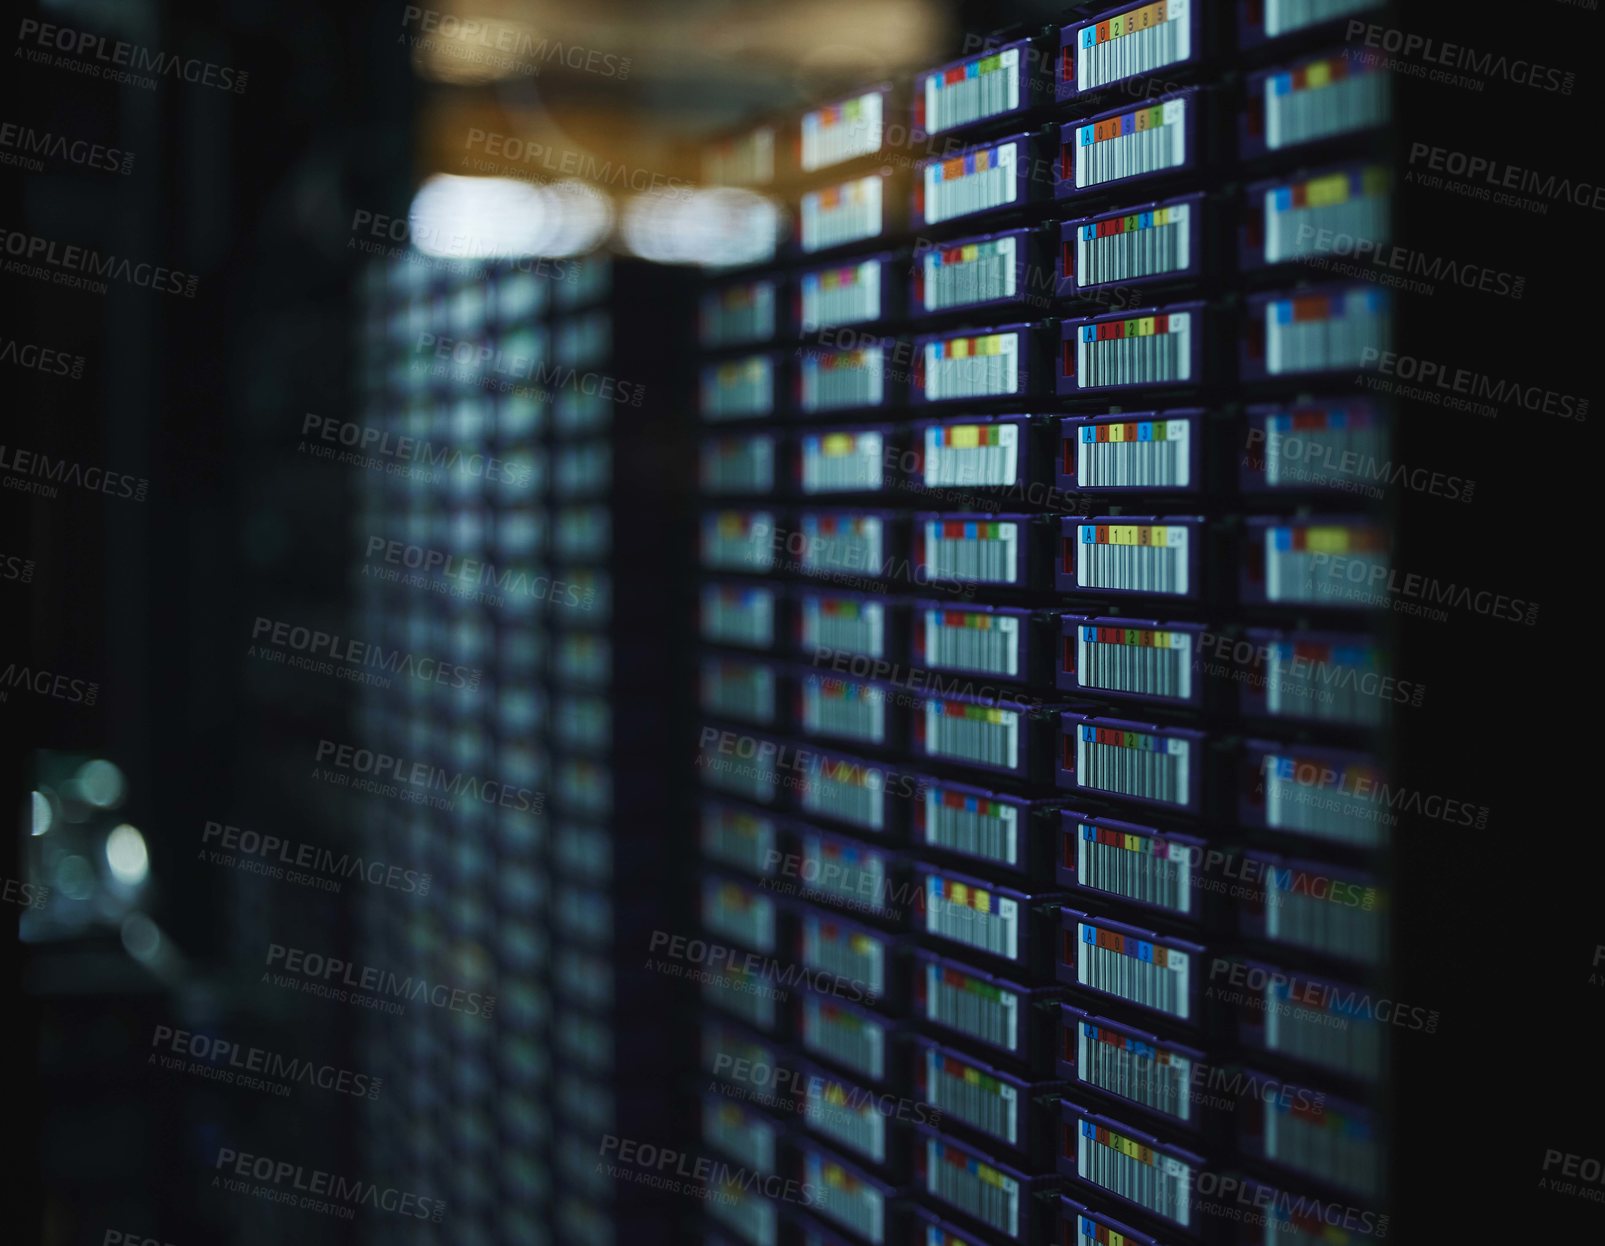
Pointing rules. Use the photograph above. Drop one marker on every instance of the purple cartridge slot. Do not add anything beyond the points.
(846, 952)
(1333, 795)
(985, 1008)
(1147, 451)
(858, 624)
(1335, 212)
(738, 614)
(1001, 82)
(1134, 246)
(1259, 21)
(737, 465)
(1334, 1026)
(980, 1188)
(1311, 332)
(1337, 561)
(975, 364)
(1126, 861)
(742, 838)
(999, 1106)
(739, 389)
(1007, 736)
(986, 917)
(999, 174)
(1128, 42)
(1314, 907)
(739, 688)
(740, 912)
(999, 642)
(854, 291)
(1007, 832)
(1147, 970)
(1130, 144)
(742, 313)
(1146, 1071)
(848, 1196)
(1084, 1226)
(843, 460)
(845, 1034)
(932, 1230)
(1327, 443)
(843, 380)
(854, 211)
(1317, 1136)
(1323, 677)
(986, 270)
(1155, 346)
(855, 711)
(1007, 550)
(1312, 101)
(845, 130)
(738, 540)
(1148, 555)
(843, 544)
(1137, 1168)
(1138, 761)
(848, 1116)
(1136, 659)
(978, 452)
(862, 877)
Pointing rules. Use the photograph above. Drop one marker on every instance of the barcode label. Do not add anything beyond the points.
(1322, 563)
(1155, 1077)
(843, 870)
(959, 640)
(752, 1217)
(739, 314)
(841, 132)
(1145, 350)
(850, 378)
(1148, 558)
(739, 915)
(1142, 454)
(987, 735)
(829, 1108)
(973, 1187)
(737, 838)
(843, 952)
(972, 367)
(972, 1007)
(1156, 1182)
(1285, 16)
(975, 272)
(971, 454)
(973, 182)
(973, 825)
(984, 87)
(742, 995)
(1323, 682)
(846, 792)
(739, 616)
(842, 708)
(1145, 140)
(962, 549)
(745, 161)
(1147, 974)
(1139, 867)
(739, 1134)
(1135, 659)
(1323, 99)
(978, 1099)
(839, 214)
(1133, 763)
(845, 1199)
(738, 541)
(1336, 1145)
(1301, 443)
(841, 296)
(740, 389)
(739, 465)
(739, 690)
(1134, 42)
(841, 543)
(1349, 1044)
(1311, 911)
(844, 625)
(1139, 244)
(1297, 799)
(841, 462)
(1324, 332)
(1352, 204)
(842, 1036)
(972, 916)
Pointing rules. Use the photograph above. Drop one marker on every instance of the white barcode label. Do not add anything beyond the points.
(973, 825)
(972, 367)
(740, 389)
(739, 314)
(1324, 332)
(1322, 99)
(1344, 204)
(739, 616)
(1324, 682)
(981, 550)
(752, 1217)
(739, 915)
(978, 1099)
(842, 1036)
(846, 1200)
(743, 997)
(1285, 16)
(975, 272)
(987, 735)
(973, 1187)
(974, 182)
(1145, 140)
(846, 791)
(1147, 974)
(841, 296)
(972, 916)
(845, 953)
(844, 871)
(1348, 1043)
(739, 465)
(1135, 42)
(829, 1108)
(1135, 659)
(739, 1134)
(1134, 763)
(844, 625)
(841, 132)
(980, 88)
(1321, 564)
(1325, 1141)
(840, 214)
(971, 454)
(1140, 454)
(739, 690)
(738, 541)
(841, 462)
(842, 543)
(960, 640)
(1145, 350)
(1141, 244)
(745, 161)
(844, 709)
(738, 838)
(1126, 1167)
(1309, 446)
(1138, 867)
(853, 378)
(1148, 558)
(1155, 1077)
(972, 1007)
(1296, 799)
(1339, 918)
